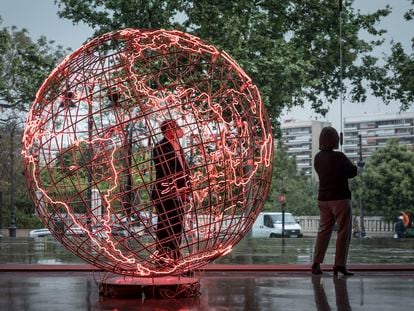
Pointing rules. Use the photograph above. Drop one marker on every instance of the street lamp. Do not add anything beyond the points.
(282, 200)
(360, 165)
(12, 220)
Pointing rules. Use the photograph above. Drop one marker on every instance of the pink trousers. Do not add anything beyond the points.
(331, 211)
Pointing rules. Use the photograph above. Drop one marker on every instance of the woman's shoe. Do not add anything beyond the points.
(341, 269)
(316, 269)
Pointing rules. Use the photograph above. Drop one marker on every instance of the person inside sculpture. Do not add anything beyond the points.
(171, 189)
(334, 200)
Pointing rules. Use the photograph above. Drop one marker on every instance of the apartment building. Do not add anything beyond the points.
(302, 141)
(376, 130)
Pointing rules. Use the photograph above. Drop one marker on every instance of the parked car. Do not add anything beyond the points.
(39, 233)
(116, 230)
(269, 225)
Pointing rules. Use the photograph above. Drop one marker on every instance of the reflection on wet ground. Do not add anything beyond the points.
(224, 290)
(248, 251)
(219, 291)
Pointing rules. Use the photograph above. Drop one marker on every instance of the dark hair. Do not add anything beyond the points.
(166, 125)
(329, 139)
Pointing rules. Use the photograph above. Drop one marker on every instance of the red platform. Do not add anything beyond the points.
(150, 288)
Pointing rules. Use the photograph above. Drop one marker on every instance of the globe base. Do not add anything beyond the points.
(150, 288)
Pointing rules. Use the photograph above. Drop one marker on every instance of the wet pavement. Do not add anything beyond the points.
(384, 278)
(219, 291)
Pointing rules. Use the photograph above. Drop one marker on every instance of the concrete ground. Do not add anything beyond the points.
(227, 289)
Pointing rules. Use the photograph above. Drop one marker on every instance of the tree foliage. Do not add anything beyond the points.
(289, 48)
(109, 15)
(300, 190)
(388, 181)
(9, 145)
(24, 64)
(399, 83)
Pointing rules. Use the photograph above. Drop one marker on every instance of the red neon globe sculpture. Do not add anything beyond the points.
(90, 152)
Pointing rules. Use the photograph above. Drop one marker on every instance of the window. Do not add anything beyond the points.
(277, 219)
(268, 222)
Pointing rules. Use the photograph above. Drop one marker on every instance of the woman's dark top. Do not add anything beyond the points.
(399, 226)
(334, 169)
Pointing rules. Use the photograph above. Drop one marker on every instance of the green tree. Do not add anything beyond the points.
(300, 190)
(6, 140)
(399, 83)
(388, 181)
(12, 167)
(289, 48)
(24, 64)
(109, 15)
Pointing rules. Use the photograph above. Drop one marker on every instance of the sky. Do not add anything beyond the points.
(40, 17)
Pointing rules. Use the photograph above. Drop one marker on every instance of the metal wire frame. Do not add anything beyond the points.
(89, 139)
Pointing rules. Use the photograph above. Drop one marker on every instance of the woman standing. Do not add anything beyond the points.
(334, 201)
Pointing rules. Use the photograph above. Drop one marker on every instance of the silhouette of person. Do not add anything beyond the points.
(334, 200)
(171, 189)
(341, 294)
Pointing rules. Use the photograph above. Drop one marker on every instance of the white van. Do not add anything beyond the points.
(269, 225)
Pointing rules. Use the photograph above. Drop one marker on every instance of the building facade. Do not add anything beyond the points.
(302, 141)
(375, 131)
